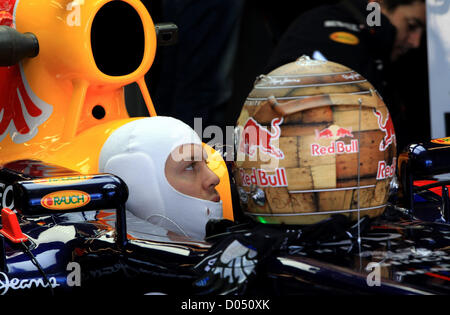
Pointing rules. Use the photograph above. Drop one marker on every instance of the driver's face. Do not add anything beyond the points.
(188, 172)
(409, 21)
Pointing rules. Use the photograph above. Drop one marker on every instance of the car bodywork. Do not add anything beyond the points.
(84, 248)
(55, 242)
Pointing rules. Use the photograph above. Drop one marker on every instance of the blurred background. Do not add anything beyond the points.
(223, 45)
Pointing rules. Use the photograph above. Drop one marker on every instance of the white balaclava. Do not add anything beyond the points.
(137, 152)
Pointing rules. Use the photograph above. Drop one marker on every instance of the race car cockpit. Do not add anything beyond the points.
(314, 177)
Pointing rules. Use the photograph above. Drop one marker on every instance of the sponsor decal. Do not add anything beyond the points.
(388, 128)
(352, 76)
(62, 180)
(256, 136)
(6, 196)
(350, 26)
(6, 12)
(334, 132)
(325, 133)
(7, 284)
(73, 279)
(262, 178)
(338, 147)
(386, 171)
(344, 38)
(6, 18)
(22, 111)
(442, 141)
(65, 199)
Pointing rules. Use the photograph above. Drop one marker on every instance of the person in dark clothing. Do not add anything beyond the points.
(192, 78)
(341, 33)
(351, 34)
(195, 79)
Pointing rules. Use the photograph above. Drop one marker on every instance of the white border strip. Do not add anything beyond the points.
(329, 189)
(300, 97)
(306, 85)
(14, 14)
(308, 75)
(312, 213)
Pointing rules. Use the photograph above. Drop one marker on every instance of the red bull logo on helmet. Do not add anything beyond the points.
(325, 133)
(388, 128)
(338, 147)
(344, 132)
(385, 170)
(254, 136)
(334, 133)
(262, 178)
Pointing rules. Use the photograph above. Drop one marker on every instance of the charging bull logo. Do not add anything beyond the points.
(6, 18)
(256, 136)
(21, 111)
(6, 11)
(388, 128)
(334, 132)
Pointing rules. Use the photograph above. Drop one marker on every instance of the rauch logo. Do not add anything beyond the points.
(66, 199)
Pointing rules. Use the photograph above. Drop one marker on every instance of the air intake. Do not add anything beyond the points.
(117, 39)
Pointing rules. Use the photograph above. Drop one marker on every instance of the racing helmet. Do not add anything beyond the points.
(313, 139)
(137, 152)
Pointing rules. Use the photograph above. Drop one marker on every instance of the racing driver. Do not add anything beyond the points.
(163, 163)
